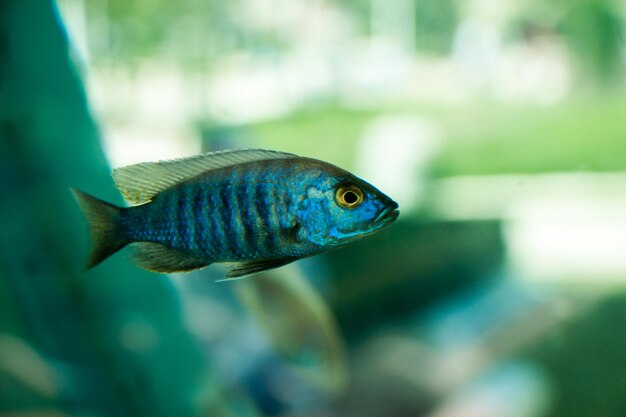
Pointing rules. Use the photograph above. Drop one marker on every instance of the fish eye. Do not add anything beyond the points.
(349, 196)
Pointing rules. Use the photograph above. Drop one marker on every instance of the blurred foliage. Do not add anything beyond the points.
(86, 344)
(405, 283)
(140, 27)
(586, 134)
(129, 31)
(435, 23)
(594, 30)
(583, 135)
(331, 129)
(113, 341)
(586, 358)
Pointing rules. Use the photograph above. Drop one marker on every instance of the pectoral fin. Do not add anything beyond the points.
(245, 269)
(159, 258)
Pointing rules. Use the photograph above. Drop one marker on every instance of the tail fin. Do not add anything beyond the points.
(102, 219)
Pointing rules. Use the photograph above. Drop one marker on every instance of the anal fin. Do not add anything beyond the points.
(245, 269)
(159, 258)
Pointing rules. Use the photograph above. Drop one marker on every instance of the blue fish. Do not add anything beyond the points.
(258, 209)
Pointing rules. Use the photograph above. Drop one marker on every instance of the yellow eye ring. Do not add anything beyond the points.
(349, 196)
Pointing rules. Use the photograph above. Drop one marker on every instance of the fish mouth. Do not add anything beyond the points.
(388, 214)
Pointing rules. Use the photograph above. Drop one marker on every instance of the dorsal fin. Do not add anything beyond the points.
(141, 182)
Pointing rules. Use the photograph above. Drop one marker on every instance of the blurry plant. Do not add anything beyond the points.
(135, 28)
(435, 23)
(594, 29)
(360, 10)
(108, 343)
(580, 135)
(586, 357)
(127, 31)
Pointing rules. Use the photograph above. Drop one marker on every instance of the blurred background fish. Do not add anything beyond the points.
(300, 326)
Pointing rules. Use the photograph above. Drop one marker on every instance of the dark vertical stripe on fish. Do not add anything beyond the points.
(249, 215)
(198, 219)
(180, 232)
(283, 214)
(232, 225)
(271, 201)
(173, 217)
(238, 221)
(210, 214)
(164, 219)
(209, 239)
(217, 223)
(179, 221)
(227, 215)
(148, 227)
(262, 215)
(190, 224)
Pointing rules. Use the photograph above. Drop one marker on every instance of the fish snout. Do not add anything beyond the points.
(388, 214)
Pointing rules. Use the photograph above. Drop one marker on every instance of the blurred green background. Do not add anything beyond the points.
(499, 127)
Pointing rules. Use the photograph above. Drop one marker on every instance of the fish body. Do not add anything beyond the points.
(259, 209)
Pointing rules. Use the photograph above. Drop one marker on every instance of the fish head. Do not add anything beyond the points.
(340, 208)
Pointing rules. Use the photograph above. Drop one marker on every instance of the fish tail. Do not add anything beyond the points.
(106, 236)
